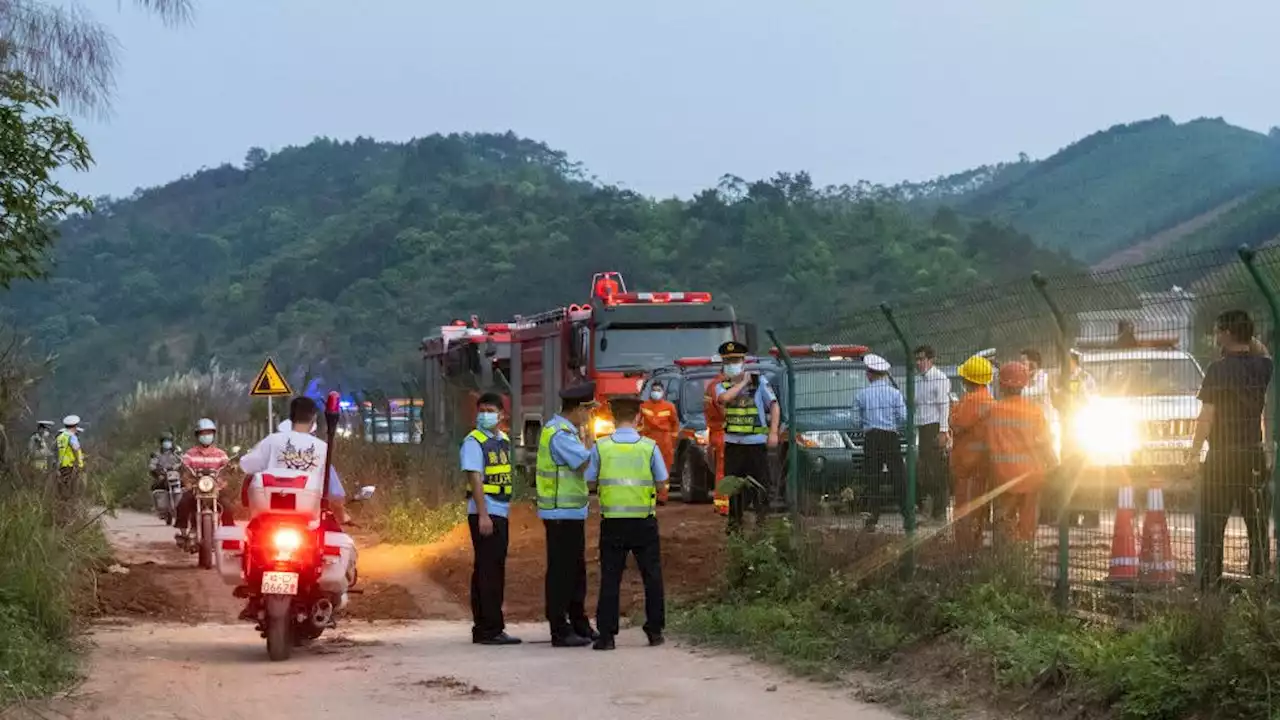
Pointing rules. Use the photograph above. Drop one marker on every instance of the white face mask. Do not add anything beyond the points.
(656, 394)
(733, 369)
(206, 439)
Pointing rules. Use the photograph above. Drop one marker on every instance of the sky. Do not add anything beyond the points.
(666, 96)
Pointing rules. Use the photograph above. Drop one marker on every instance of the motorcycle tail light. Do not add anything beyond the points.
(286, 541)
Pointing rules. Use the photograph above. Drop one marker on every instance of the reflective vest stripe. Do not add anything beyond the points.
(559, 486)
(741, 416)
(1011, 459)
(626, 478)
(496, 451)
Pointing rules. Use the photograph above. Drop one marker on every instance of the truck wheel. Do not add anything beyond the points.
(693, 481)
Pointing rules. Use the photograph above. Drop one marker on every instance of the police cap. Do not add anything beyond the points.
(580, 393)
(732, 348)
(875, 363)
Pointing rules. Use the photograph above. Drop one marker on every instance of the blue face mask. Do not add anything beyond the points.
(487, 420)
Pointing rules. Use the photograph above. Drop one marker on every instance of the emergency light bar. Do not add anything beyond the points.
(855, 351)
(657, 298)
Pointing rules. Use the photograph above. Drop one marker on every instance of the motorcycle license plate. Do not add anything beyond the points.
(279, 583)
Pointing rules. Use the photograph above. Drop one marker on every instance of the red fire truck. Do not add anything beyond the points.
(615, 339)
(459, 363)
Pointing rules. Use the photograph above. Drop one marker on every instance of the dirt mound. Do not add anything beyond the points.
(383, 601)
(144, 591)
(693, 543)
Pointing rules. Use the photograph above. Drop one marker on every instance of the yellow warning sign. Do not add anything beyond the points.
(270, 382)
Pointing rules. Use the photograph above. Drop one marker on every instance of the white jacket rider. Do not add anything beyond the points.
(295, 448)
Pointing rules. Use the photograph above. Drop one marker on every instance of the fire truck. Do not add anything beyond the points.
(462, 361)
(616, 338)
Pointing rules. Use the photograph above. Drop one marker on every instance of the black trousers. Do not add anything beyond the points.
(883, 462)
(748, 461)
(488, 577)
(933, 471)
(618, 538)
(566, 584)
(1235, 479)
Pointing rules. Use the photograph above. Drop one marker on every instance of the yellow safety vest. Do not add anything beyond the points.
(68, 456)
(741, 415)
(626, 478)
(559, 486)
(496, 450)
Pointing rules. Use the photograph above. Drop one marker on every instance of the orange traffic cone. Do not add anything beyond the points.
(1157, 566)
(1124, 543)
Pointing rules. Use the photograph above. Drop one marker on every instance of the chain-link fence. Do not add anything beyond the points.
(1084, 437)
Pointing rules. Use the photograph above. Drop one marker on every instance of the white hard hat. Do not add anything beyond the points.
(875, 363)
(71, 421)
(205, 425)
(284, 426)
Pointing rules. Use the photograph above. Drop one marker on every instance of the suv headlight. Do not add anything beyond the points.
(825, 439)
(1107, 431)
(602, 427)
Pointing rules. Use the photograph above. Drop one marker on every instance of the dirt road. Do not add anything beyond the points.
(197, 663)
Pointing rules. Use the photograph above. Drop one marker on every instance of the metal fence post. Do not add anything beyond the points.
(1062, 587)
(788, 417)
(1248, 257)
(909, 503)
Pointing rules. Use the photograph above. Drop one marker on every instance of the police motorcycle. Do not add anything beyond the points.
(292, 556)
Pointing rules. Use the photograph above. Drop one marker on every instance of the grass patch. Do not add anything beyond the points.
(1213, 659)
(42, 568)
(413, 522)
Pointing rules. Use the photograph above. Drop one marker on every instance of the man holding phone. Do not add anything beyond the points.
(751, 424)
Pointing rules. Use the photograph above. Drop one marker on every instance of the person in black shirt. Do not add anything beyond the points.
(1233, 397)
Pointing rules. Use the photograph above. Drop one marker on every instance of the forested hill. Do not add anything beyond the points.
(341, 256)
(1115, 188)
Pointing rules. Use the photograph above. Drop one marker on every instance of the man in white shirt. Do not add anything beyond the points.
(933, 415)
(297, 449)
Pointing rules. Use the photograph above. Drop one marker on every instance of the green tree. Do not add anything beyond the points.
(35, 142)
(200, 353)
(63, 49)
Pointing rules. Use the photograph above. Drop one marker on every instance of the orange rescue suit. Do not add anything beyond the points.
(660, 423)
(1018, 451)
(969, 466)
(715, 438)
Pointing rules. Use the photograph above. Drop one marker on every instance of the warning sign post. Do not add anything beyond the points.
(270, 383)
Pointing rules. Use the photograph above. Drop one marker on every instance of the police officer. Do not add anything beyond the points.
(40, 446)
(749, 403)
(628, 469)
(486, 459)
(70, 457)
(562, 506)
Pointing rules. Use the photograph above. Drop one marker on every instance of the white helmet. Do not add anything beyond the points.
(284, 426)
(71, 421)
(205, 425)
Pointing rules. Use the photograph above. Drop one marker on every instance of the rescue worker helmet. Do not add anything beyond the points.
(1014, 375)
(977, 370)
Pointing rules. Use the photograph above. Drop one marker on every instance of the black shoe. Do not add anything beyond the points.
(570, 640)
(587, 631)
(500, 639)
(655, 639)
(251, 608)
(605, 642)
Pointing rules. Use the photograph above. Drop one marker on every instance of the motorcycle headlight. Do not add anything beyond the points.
(1107, 431)
(826, 439)
(205, 484)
